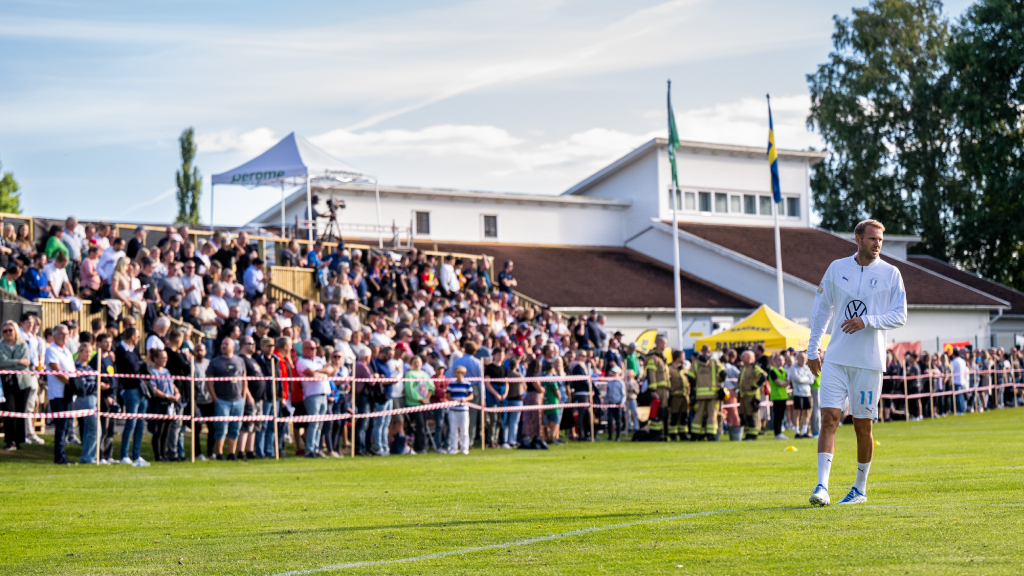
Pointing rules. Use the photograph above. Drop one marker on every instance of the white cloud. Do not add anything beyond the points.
(249, 143)
(154, 200)
(746, 122)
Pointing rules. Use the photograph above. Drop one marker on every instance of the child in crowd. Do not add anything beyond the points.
(458, 416)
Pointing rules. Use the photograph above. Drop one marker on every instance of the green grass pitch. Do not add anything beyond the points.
(945, 497)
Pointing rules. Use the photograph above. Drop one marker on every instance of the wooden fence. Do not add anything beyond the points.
(301, 282)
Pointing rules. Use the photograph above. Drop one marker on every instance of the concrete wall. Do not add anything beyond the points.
(703, 171)
(639, 182)
(461, 220)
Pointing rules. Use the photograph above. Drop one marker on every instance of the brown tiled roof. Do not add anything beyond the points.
(598, 276)
(807, 253)
(1015, 298)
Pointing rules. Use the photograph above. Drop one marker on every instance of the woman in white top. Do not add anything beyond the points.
(121, 286)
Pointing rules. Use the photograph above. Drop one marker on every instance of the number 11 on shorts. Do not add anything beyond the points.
(870, 394)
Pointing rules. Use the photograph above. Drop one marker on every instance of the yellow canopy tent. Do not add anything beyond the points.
(764, 327)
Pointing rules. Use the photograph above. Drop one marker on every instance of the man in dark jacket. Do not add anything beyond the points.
(128, 361)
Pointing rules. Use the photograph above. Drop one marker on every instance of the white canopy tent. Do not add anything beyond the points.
(295, 161)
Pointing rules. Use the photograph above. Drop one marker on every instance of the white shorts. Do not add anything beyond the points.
(860, 385)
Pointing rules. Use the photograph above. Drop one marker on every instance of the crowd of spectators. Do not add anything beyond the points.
(412, 328)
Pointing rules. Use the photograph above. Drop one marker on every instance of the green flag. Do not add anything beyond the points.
(673, 138)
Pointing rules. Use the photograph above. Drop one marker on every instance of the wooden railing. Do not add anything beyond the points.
(301, 282)
(11, 296)
(195, 336)
(56, 311)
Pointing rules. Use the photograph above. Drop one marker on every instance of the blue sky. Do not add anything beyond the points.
(521, 95)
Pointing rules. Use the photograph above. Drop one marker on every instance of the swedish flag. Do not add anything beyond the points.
(773, 154)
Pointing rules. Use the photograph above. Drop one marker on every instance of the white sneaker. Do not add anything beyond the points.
(74, 440)
(820, 496)
(125, 460)
(140, 463)
(781, 437)
(466, 452)
(854, 497)
(201, 457)
(36, 440)
(506, 446)
(105, 462)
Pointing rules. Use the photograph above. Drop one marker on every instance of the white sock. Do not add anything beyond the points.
(803, 429)
(824, 468)
(862, 477)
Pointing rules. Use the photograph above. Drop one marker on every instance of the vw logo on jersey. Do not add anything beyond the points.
(855, 309)
(873, 283)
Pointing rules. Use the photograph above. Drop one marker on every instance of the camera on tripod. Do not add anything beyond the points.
(333, 205)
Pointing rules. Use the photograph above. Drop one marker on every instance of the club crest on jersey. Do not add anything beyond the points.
(855, 309)
(873, 283)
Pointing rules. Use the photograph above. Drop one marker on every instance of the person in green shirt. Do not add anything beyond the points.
(553, 395)
(633, 361)
(54, 244)
(10, 277)
(778, 394)
(418, 390)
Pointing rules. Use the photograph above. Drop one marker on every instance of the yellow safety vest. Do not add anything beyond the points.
(656, 370)
(706, 375)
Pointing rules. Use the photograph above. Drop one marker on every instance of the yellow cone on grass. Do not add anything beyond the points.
(877, 443)
(790, 448)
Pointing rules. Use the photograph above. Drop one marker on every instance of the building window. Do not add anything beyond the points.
(766, 205)
(750, 204)
(705, 201)
(490, 226)
(423, 223)
(734, 204)
(721, 202)
(793, 207)
(691, 201)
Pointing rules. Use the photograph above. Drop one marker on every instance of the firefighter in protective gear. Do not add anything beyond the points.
(706, 377)
(749, 384)
(678, 399)
(656, 371)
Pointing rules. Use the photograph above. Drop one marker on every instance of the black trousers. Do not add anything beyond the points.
(14, 428)
(778, 413)
(419, 421)
(106, 435)
(59, 428)
(614, 422)
(205, 410)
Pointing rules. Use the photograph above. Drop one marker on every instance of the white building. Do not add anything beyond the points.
(606, 243)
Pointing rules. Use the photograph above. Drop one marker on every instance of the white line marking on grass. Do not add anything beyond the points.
(582, 531)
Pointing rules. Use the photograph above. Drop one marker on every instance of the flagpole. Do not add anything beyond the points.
(778, 261)
(675, 267)
(773, 164)
(674, 202)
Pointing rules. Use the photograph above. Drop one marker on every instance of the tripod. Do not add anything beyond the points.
(332, 232)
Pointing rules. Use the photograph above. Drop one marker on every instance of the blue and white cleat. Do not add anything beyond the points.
(854, 497)
(820, 496)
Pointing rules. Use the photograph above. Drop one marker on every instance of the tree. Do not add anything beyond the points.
(189, 181)
(876, 104)
(10, 198)
(986, 63)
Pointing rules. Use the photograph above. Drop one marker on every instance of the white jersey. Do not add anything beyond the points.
(874, 293)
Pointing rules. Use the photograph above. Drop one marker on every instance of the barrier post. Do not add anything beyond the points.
(931, 395)
(273, 398)
(352, 412)
(483, 415)
(99, 407)
(192, 405)
(590, 409)
(906, 401)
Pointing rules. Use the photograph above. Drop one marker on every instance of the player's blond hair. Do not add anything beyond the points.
(863, 225)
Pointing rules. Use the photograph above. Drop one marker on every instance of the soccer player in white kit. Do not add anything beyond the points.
(868, 298)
